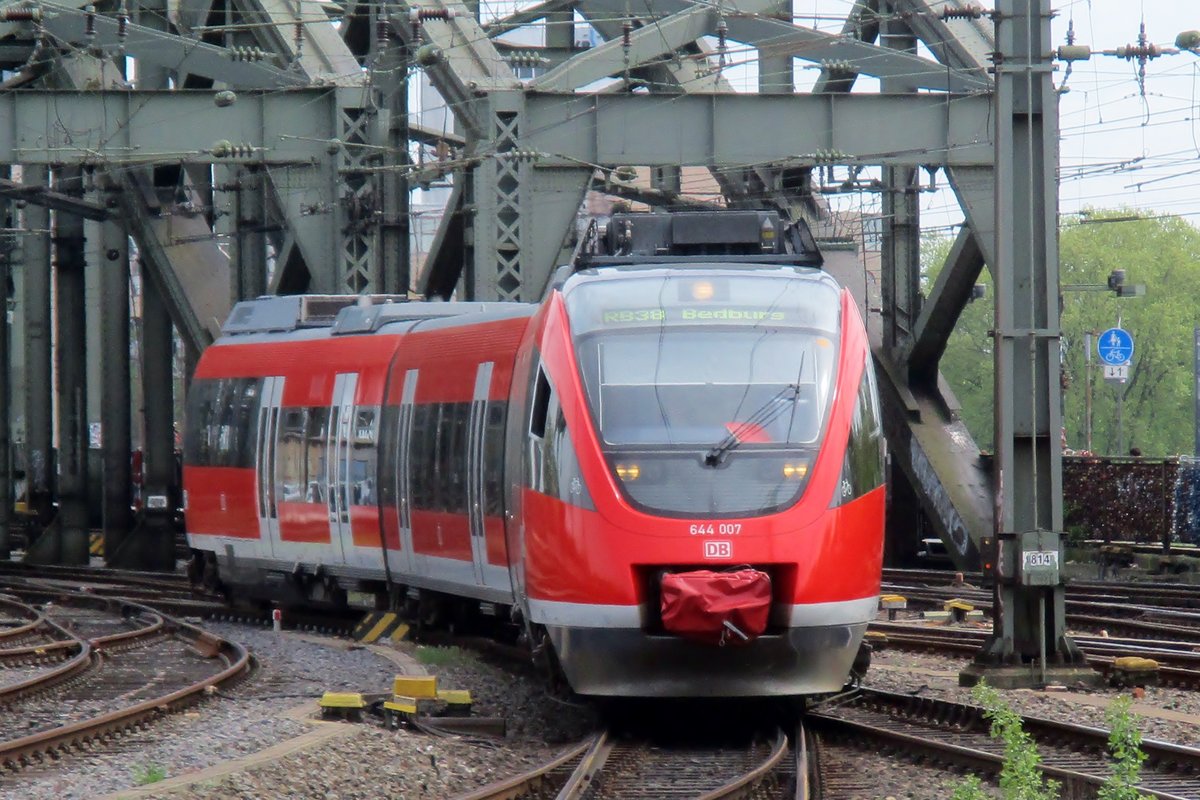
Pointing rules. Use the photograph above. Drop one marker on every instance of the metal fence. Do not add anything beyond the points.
(1145, 500)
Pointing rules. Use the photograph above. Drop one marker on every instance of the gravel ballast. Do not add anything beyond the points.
(367, 761)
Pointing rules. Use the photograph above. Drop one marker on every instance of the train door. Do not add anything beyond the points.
(476, 461)
(264, 463)
(408, 560)
(337, 461)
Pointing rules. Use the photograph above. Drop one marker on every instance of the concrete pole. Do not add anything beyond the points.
(72, 376)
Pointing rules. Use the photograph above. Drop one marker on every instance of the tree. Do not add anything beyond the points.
(1163, 254)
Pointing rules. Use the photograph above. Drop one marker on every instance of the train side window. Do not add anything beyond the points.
(452, 456)
(316, 437)
(291, 476)
(422, 455)
(221, 430)
(863, 469)
(493, 459)
(541, 404)
(201, 402)
(245, 421)
(389, 455)
(362, 467)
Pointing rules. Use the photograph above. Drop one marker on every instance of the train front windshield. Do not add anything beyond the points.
(710, 391)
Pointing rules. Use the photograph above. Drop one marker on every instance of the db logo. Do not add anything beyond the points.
(718, 550)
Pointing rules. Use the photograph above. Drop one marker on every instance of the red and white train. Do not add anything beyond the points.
(669, 471)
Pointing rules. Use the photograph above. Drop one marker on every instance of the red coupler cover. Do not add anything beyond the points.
(697, 605)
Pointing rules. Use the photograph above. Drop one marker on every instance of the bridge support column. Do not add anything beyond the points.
(7, 248)
(1029, 645)
(154, 545)
(65, 540)
(39, 377)
(116, 397)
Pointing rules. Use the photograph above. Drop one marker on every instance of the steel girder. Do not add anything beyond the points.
(710, 130)
(1030, 624)
(123, 128)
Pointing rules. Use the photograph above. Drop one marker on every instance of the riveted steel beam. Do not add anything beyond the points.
(117, 128)
(711, 130)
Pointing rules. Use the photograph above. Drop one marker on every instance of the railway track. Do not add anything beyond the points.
(103, 684)
(956, 734)
(1116, 614)
(632, 767)
(1179, 663)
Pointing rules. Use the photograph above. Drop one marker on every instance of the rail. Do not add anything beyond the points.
(235, 658)
(957, 733)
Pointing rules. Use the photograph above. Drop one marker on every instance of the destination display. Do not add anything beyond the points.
(707, 313)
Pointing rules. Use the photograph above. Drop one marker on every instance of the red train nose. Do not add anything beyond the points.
(716, 607)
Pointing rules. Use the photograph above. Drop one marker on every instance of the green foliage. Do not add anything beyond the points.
(1125, 746)
(149, 773)
(1163, 254)
(967, 362)
(971, 788)
(1020, 777)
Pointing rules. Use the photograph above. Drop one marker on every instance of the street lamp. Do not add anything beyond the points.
(1116, 284)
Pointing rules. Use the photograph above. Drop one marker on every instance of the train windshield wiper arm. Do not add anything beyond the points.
(765, 414)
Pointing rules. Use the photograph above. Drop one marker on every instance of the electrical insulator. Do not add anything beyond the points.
(1137, 51)
(89, 25)
(525, 58)
(969, 11)
(224, 148)
(830, 156)
(246, 53)
(519, 155)
(837, 65)
(21, 15)
(426, 14)
(1074, 52)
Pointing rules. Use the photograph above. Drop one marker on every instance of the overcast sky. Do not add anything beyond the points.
(1118, 147)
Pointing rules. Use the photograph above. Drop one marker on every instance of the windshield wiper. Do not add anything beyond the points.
(767, 413)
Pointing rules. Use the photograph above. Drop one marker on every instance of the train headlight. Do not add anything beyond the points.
(703, 290)
(796, 471)
(628, 472)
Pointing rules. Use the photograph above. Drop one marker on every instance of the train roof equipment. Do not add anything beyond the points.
(349, 314)
(683, 237)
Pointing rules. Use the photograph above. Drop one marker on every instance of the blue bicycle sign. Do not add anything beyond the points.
(1115, 346)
